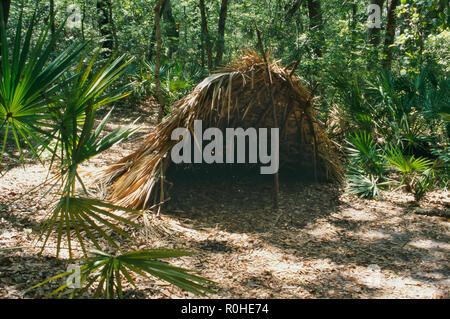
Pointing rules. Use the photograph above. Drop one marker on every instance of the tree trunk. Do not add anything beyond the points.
(294, 8)
(5, 7)
(206, 41)
(165, 12)
(160, 97)
(105, 25)
(5, 12)
(220, 46)
(52, 18)
(316, 25)
(172, 31)
(390, 34)
(83, 18)
(352, 25)
(112, 26)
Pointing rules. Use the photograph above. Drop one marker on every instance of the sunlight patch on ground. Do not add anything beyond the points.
(429, 244)
(323, 230)
(358, 215)
(371, 235)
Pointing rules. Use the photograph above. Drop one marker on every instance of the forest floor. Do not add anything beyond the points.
(320, 243)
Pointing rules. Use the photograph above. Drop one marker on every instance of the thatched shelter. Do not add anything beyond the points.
(236, 96)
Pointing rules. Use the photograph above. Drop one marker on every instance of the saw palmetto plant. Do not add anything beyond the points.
(104, 273)
(363, 185)
(77, 140)
(366, 166)
(415, 172)
(29, 81)
(363, 152)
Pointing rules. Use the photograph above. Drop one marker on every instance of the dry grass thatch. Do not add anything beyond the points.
(236, 96)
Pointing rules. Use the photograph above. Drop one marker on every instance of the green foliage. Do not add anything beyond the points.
(29, 82)
(107, 272)
(416, 173)
(77, 140)
(406, 165)
(366, 166)
(74, 114)
(365, 186)
(441, 167)
(370, 165)
(363, 152)
(75, 216)
(177, 79)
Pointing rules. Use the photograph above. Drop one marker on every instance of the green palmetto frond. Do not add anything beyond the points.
(85, 219)
(29, 82)
(364, 153)
(78, 140)
(104, 273)
(363, 185)
(406, 165)
(417, 173)
(74, 114)
(363, 146)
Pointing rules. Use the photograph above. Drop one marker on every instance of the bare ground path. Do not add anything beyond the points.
(321, 243)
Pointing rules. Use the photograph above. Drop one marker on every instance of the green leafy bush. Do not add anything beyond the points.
(415, 173)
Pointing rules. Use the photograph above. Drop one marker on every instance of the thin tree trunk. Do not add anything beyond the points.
(165, 12)
(185, 25)
(52, 18)
(5, 7)
(293, 10)
(172, 32)
(275, 119)
(83, 18)
(206, 41)
(5, 12)
(112, 26)
(353, 21)
(220, 46)
(374, 38)
(390, 34)
(103, 9)
(316, 24)
(158, 60)
(352, 25)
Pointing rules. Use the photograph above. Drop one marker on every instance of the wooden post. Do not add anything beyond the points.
(275, 119)
(161, 187)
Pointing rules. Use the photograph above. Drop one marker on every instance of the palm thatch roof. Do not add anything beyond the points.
(236, 96)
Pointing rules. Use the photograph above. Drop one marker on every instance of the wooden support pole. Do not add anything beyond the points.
(161, 194)
(295, 67)
(275, 119)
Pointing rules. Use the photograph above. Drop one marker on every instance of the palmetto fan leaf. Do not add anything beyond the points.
(406, 165)
(77, 140)
(364, 153)
(85, 219)
(104, 273)
(363, 185)
(417, 173)
(76, 110)
(363, 146)
(29, 83)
